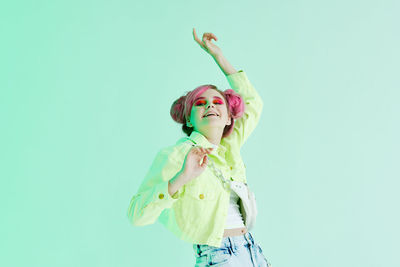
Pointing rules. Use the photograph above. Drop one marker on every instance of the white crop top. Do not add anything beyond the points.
(234, 218)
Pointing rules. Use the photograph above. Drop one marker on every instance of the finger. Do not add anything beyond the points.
(205, 160)
(209, 150)
(194, 34)
(201, 151)
(196, 37)
(204, 37)
(207, 44)
(196, 151)
(210, 36)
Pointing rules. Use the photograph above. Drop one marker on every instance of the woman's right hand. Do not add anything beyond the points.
(206, 44)
(192, 167)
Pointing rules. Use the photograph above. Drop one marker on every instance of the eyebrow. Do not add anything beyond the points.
(202, 97)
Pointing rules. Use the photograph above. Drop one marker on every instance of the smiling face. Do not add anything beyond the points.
(209, 102)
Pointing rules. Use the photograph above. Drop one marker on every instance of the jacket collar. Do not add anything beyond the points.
(203, 141)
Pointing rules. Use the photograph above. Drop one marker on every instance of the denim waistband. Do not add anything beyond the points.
(239, 240)
(232, 242)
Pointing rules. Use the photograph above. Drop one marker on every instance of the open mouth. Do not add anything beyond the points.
(210, 115)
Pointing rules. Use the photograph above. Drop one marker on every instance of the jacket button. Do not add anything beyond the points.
(201, 196)
(161, 196)
(231, 167)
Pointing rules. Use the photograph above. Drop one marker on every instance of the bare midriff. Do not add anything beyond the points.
(235, 231)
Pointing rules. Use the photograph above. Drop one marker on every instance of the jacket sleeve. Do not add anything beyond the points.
(245, 125)
(152, 196)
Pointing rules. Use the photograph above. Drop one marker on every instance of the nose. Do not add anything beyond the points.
(210, 105)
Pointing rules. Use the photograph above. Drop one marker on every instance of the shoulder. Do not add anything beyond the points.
(175, 151)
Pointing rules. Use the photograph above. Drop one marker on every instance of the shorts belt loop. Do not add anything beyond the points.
(251, 237)
(247, 237)
(232, 245)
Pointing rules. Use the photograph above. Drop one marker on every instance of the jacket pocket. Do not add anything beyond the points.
(199, 193)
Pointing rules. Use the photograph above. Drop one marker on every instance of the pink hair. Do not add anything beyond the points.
(181, 108)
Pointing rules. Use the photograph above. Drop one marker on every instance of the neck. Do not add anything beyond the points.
(213, 135)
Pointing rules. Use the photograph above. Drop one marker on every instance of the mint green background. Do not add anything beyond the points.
(86, 88)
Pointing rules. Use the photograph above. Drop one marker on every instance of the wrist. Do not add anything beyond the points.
(218, 56)
(177, 182)
(180, 179)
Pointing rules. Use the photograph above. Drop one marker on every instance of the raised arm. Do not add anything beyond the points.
(239, 82)
(246, 124)
(207, 45)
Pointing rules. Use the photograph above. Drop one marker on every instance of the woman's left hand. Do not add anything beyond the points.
(206, 44)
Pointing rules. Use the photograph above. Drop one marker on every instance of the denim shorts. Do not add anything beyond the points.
(235, 251)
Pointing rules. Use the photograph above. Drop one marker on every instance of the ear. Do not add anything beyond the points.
(229, 121)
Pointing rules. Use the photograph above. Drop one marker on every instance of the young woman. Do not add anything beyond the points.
(186, 187)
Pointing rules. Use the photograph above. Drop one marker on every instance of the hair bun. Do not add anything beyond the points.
(236, 103)
(177, 110)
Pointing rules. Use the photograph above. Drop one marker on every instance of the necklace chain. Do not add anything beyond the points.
(217, 172)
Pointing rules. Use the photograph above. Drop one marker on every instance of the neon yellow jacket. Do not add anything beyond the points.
(197, 212)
